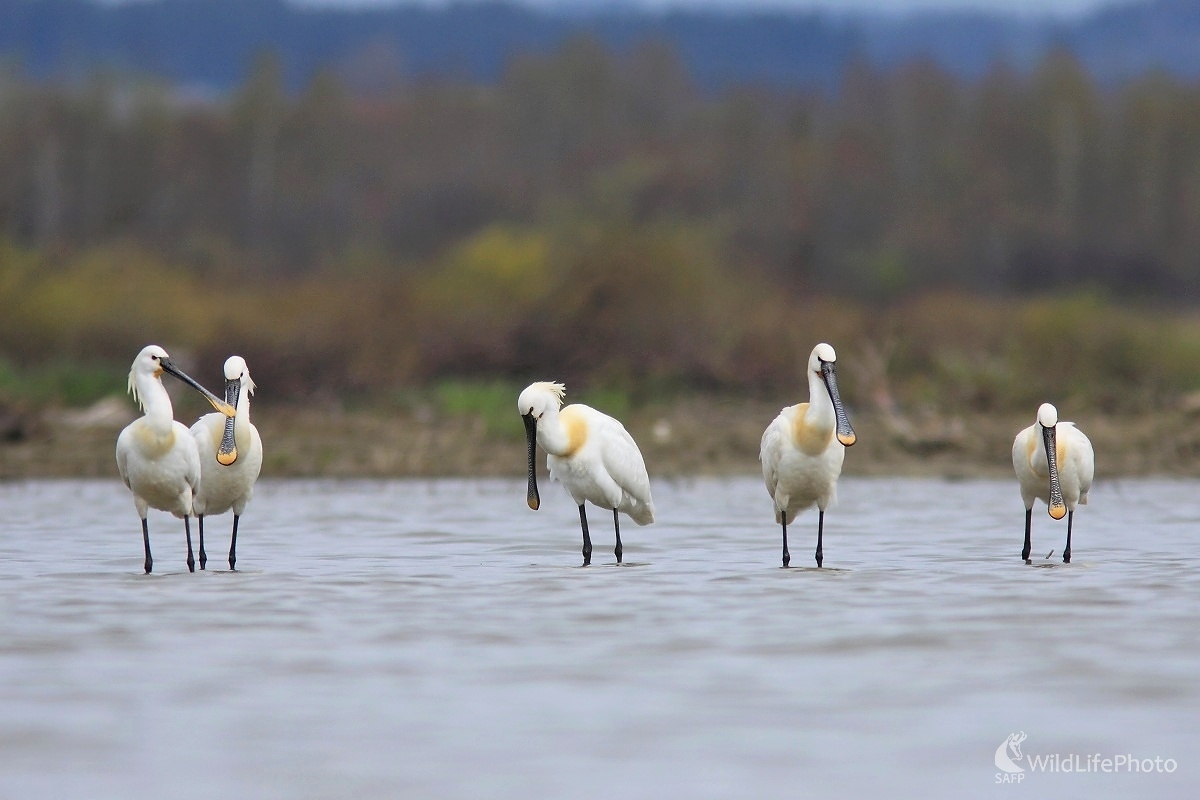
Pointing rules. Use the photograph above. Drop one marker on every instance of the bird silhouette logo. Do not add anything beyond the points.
(1003, 760)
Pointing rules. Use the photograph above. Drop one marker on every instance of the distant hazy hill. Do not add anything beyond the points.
(211, 42)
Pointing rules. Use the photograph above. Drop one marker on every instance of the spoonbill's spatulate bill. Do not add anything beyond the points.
(1055, 463)
(157, 456)
(803, 448)
(591, 454)
(231, 456)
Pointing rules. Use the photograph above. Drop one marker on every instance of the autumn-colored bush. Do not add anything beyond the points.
(637, 313)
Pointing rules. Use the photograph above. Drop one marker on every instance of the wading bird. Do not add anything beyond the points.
(803, 448)
(157, 456)
(591, 454)
(230, 456)
(1054, 462)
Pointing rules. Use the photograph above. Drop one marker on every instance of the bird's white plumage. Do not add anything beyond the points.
(156, 456)
(796, 479)
(589, 453)
(228, 487)
(608, 470)
(800, 453)
(1075, 458)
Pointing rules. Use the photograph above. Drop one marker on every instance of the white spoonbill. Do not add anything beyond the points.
(801, 457)
(157, 456)
(591, 454)
(1055, 463)
(230, 456)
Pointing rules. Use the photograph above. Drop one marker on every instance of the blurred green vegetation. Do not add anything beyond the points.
(622, 318)
(60, 382)
(494, 402)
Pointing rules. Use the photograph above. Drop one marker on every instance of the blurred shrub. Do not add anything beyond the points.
(493, 402)
(60, 382)
(622, 314)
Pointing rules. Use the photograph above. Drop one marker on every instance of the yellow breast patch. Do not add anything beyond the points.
(1031, 443)
(576, 428)
(152, 444)
(811, 439)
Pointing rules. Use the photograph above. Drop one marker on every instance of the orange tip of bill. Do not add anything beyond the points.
(847, 439)
(225, 459)
(1058, 512)
(533, 502)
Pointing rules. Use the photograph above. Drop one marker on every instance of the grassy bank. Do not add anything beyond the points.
(697, 435)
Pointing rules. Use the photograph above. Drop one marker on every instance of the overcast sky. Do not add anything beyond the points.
(1055, 7)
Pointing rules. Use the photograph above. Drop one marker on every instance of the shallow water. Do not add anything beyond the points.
(438, 639)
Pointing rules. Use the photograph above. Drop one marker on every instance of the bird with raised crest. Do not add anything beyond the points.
(590, 454)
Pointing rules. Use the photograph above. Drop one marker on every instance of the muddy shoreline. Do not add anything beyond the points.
(691, 437)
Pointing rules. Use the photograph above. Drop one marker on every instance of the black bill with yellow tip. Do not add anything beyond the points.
(531, 493)
(1056, 507)
(227, 453)
(220, 405)
(845, 433)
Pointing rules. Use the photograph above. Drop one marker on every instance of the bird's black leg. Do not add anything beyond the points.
(820, 533)
(203, 557)
(1028, 543)
(587, 539)
(787, 557)
(617, 527)
(187, 529)
(233, 543)
(1067, 551)
(146, 542)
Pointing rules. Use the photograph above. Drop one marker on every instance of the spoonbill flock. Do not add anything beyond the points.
(212, 468)
(802, 451)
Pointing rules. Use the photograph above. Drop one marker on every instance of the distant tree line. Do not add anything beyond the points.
(897, 182)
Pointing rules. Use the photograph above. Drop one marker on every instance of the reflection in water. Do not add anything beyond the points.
(439, 639)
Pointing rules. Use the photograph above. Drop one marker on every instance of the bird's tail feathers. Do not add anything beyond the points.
(642, 513)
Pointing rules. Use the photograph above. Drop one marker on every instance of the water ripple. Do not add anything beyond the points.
(437, 638)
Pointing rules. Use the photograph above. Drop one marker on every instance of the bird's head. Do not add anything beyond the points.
(821, 354)
(540, 397)
(1047, 415)
(151, 363)
(237, 376)
(534, 402)
(822, 366)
